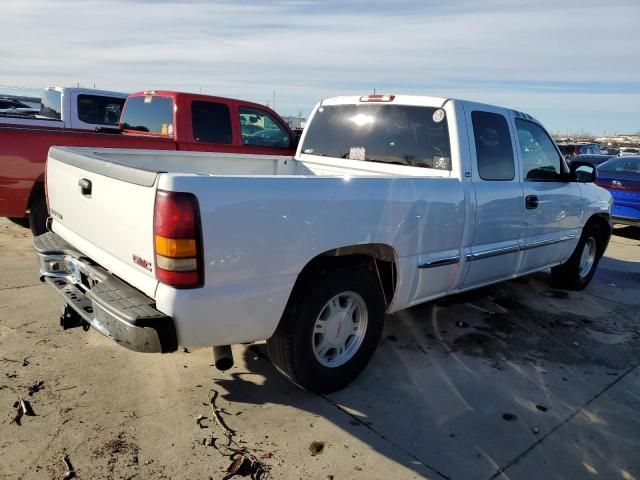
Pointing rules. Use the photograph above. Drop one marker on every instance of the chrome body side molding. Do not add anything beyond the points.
(440, 262)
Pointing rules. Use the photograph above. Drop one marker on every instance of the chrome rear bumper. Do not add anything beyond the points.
(109, 305)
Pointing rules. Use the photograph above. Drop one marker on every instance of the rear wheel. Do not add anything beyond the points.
(578, 271)
(330, 330)
(38, 216)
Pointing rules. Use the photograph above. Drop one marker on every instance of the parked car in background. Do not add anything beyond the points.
(158, 120)
(591, 159)
(70, 107)
(390, 201)
(625, 151)
(621, 176)
(572, 149)
(609, 151)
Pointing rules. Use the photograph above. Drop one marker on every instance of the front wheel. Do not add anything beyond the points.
(577, 272)
(330, 330)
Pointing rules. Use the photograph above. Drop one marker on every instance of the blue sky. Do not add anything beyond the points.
(575, 65)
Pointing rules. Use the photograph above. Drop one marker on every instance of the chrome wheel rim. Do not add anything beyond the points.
(588, 257)
(339, 330)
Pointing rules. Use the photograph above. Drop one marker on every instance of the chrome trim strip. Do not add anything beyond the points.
(495, 252)
(544, 243)
(440, 262)
(469, 257)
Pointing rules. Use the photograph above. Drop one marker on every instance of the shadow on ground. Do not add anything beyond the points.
(461, 387)
(632, 233)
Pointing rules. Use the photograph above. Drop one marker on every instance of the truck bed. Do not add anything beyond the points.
(124, 162)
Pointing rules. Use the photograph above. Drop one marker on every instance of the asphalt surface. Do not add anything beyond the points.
(513, 381)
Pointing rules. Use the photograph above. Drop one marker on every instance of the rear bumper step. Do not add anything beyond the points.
(109, 305)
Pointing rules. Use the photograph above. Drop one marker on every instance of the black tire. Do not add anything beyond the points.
(291, 347)
(570, 275)
(38, 216)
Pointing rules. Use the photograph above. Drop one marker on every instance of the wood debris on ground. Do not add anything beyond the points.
(316, 448)
(243, 462)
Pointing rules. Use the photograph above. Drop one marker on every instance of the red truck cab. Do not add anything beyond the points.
(157, 120)
(206, 123)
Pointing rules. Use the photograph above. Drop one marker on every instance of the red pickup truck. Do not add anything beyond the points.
(159, 120)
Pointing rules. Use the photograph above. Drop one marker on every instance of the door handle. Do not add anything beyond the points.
(85, 186)
(531, 202)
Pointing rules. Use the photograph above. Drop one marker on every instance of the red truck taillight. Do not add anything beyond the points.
(178, 240)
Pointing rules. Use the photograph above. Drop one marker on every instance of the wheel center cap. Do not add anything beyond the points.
(338, 328)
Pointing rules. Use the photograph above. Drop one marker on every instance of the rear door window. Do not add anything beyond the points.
(540, 159)
(99, 110)
(152, 114)
(211, 122)
(399, 134)
(259, 128)
(494, 151)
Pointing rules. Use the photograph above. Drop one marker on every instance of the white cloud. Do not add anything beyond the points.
(497, 51)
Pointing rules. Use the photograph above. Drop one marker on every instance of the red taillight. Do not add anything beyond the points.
(177, 240)
(377, 98)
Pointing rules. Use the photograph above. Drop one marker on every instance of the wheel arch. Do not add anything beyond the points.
(379, 258)
(603, 221)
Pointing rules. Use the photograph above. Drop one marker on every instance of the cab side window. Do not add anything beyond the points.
(494, 151)
(99, 110)
(540, 160)
(261, 129)
(211, 122)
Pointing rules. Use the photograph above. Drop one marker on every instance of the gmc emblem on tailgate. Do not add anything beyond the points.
(142, 262)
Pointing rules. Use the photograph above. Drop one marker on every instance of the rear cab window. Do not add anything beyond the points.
(99, 110)
(540, 160)
(149, 114)
(415, 136)
(494, 151)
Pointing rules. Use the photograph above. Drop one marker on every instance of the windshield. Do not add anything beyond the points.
(400, 134)
(51, 104)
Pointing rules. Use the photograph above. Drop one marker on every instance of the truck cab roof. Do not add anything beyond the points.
(196, 96)
(413, 100)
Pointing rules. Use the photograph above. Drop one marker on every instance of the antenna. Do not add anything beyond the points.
(273, 104)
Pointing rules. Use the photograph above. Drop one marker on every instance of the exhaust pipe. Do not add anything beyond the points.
(222, 357)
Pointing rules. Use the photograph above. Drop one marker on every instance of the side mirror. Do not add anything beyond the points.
(583, 172)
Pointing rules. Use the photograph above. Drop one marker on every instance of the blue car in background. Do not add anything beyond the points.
(621, 176)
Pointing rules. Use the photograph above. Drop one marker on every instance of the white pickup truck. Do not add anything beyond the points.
(71, 107)
(390, 201)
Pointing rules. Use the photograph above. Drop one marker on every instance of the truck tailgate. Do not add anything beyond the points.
(105, 210)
